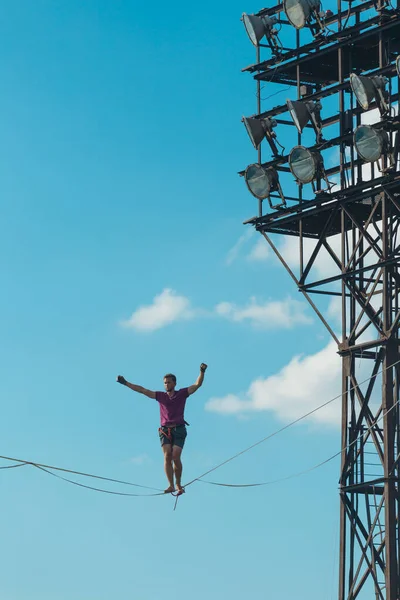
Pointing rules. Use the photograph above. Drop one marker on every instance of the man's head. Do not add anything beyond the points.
(169, 382)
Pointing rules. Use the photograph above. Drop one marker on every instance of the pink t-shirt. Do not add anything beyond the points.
(172, 408)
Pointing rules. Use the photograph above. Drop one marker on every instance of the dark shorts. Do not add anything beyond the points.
(175, 436)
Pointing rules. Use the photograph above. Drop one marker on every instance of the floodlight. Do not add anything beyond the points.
(367, 88)
(258, 129)
(299, 12)
(302, 111)
(305, 164)
(262, 181)
(258, 27)
(370, 142)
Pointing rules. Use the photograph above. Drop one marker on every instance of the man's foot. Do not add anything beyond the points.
(180, 490)
(169, 489)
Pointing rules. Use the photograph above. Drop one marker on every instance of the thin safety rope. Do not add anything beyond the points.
(324, 462)
(46, 468)
(80, 473)
(89, 487)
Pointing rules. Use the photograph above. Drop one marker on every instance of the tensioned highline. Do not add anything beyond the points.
(49, 468)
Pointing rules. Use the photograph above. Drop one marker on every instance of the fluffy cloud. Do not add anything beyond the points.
(334, 312)
(236, 249)
(165, 309)
(286, 313)
(323, 267)
(169, 307)
(302, 385)
(260, 251)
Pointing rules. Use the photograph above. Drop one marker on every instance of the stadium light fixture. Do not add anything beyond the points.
(303, 111)
(258, 129)
(257, 27)
(371, 143)
(367, 89)
(299, 12)
(262, 181)
(307, 165)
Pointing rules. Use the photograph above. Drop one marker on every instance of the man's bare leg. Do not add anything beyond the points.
(176, 457)
(167, 449)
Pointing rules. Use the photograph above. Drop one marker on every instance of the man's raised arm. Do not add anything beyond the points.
(199, 382)
(136, 388)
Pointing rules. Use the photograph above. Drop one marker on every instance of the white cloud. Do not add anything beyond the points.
(302, 385)
(140, 459)
(274, 313)
(166, 308)
(370, 117)
(259, 252)
(169, 307)
(334, 310)
(333, 156)
(323, 267)
(235, 250)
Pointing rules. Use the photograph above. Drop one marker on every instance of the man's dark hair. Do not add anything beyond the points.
(171, 376)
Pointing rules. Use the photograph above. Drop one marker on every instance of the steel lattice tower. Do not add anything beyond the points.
(356, 224)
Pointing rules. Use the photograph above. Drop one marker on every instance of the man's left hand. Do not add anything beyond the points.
(203, 367)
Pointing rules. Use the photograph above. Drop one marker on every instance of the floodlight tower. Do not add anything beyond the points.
(342, 65)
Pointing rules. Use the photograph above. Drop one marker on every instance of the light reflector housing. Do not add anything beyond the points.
(366, 89)
(304, 163)
(256, 27)
(258, 129)
(302, 111)
(398, 65)
(299, 11)
(370, 143)
(261, 181)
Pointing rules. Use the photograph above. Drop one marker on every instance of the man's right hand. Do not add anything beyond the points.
(121, 379)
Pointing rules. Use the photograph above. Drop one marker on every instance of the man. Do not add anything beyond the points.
(172, 431)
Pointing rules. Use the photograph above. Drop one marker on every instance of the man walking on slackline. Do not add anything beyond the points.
(172, 431)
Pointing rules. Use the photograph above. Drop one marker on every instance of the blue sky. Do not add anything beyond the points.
(123, 251)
